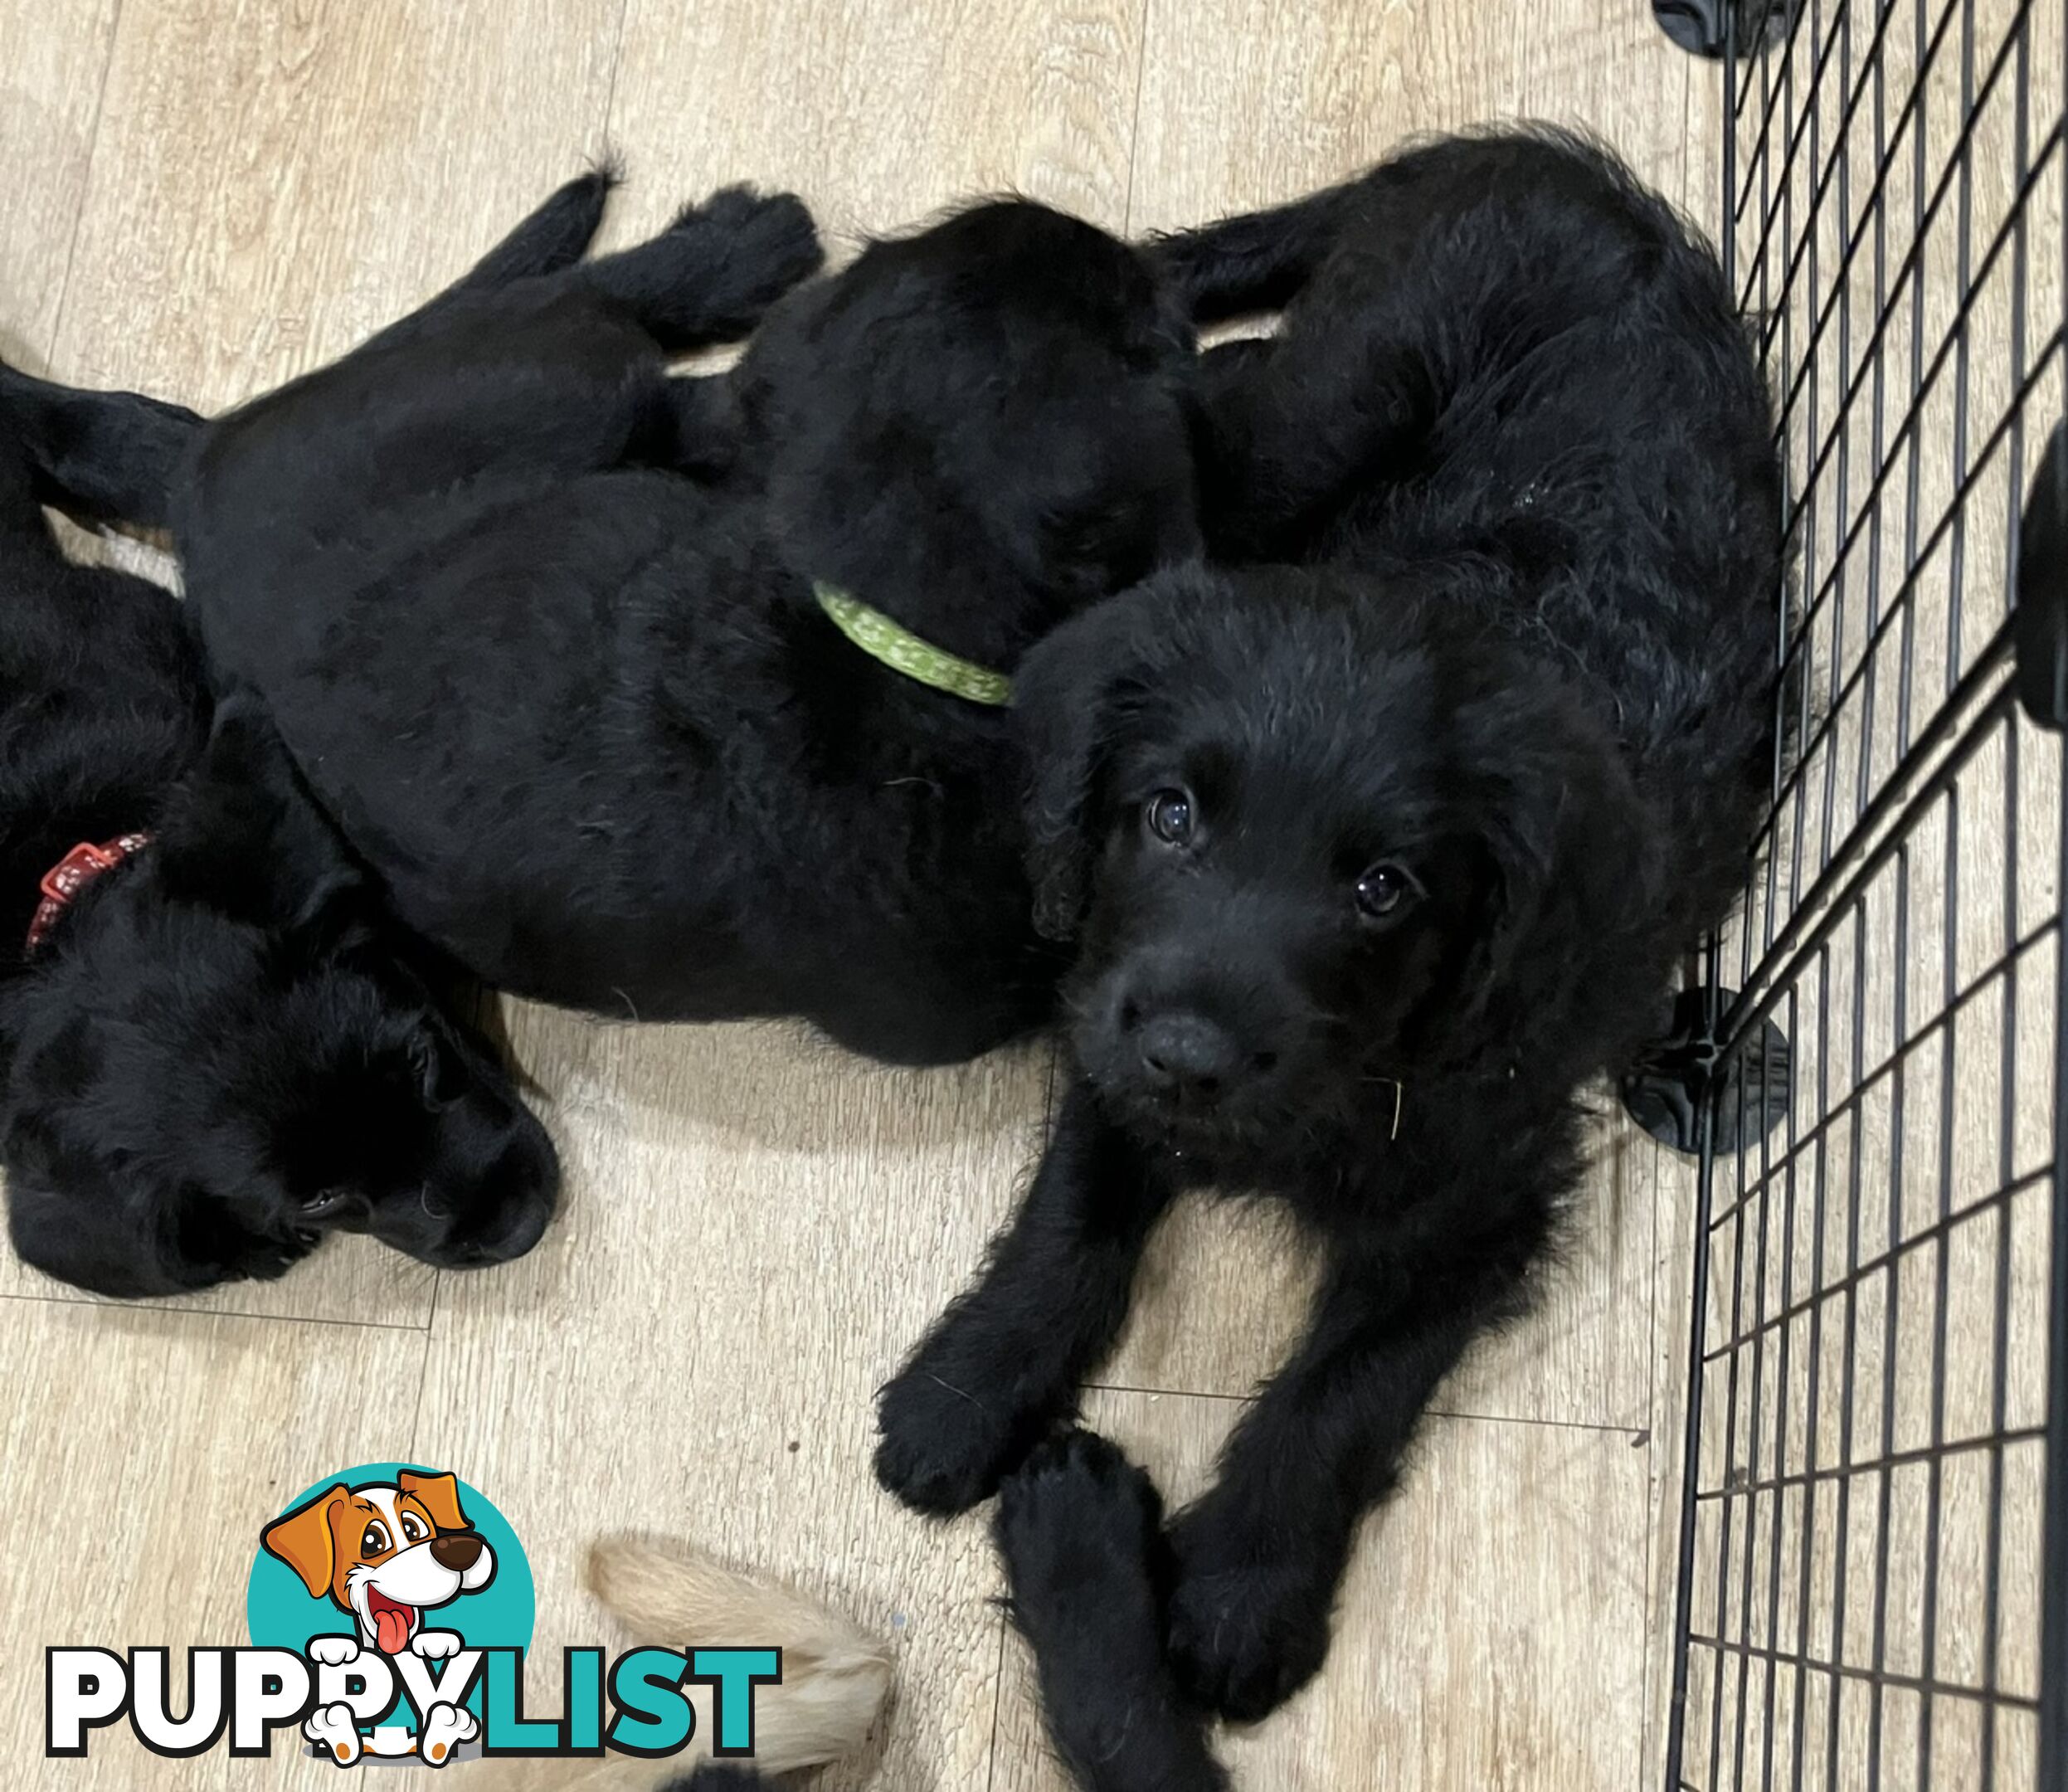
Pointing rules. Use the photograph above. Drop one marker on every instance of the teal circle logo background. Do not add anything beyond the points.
(281, 1613)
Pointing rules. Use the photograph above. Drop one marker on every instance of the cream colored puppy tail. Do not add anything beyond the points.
(666, 1595)
(835, 1676)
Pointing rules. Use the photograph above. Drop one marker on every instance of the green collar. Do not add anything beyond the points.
(904, 651)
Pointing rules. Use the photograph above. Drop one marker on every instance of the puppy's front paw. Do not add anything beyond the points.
(445, 1728)
(334, 1651)
(435, 1645)
(1246, 1631)
(944, 1448)
(770, 241)
(331, 1727)
(1078, 1528)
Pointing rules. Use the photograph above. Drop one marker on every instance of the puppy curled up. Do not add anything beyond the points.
(214, 1046)
(676, 698)
(1380, 839)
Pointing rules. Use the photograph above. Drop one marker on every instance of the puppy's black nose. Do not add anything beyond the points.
(1188, 1055)
(456, 1550)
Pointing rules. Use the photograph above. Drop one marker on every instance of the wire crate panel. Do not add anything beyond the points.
(1869, 1596)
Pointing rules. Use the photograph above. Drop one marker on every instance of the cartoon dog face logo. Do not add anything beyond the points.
(386, 1554)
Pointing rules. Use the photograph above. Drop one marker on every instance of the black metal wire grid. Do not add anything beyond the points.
(1874, 1540)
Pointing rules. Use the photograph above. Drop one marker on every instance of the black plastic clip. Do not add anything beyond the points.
(1707, 28)
(2039, 622)
(1665, 1088)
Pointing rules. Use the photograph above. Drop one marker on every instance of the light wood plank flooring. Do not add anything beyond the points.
(205, 197)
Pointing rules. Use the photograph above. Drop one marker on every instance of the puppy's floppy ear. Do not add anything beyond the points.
(1570, 846)
(122, 1249)
(440, 1495)
(105, 1226)
(248, 841)
(1073, 695)
(302, 1539)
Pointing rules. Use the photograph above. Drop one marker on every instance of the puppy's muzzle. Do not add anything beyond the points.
(1189, 1059)
(456, 1550)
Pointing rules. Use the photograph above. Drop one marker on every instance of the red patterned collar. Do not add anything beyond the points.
(72, 874)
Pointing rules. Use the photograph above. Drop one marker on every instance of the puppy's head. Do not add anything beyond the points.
(223, 1056)
(989, 418)
(1310, 847)
(385, 1553)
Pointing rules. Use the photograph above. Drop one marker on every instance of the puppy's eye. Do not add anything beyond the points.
(374, 1542)
(1382, 889)
(423, 1063)
(1168, 816)
(440, 1071)
(413, 1530)
(1078, 538)
(328, 1201)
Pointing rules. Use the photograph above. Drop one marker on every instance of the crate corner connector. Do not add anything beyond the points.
(1718, 28)
(1665, 1089)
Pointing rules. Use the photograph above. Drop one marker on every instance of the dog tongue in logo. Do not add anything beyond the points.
(391, 1621)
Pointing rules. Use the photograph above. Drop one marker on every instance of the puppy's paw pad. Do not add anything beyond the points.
(1078, 1494)
(334, 1651)
(435, 1645)
(771, 239)
(331, 1726)
(1078, 1526)
(941, 1450)
(446, 1727)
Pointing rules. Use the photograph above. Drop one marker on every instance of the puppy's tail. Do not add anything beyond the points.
(835, 1676)
(21, 513)
(556, 235)
(101, 456)
(1255, 261)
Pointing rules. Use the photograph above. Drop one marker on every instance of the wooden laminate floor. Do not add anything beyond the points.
(205, 197)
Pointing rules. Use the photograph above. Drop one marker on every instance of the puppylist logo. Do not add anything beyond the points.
(390, 1608)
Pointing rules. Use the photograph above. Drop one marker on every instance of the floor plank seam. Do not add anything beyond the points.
(609, 91)
(998, 1699)
(85, 186)
(1134, 126)
(423, 1375)
(208, 1312)
(1687, 126)
(1638, 1435)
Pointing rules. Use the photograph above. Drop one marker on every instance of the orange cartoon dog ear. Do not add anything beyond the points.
(440, 1495)
(302, 1540)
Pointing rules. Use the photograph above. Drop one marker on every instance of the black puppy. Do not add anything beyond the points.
(213, 1048)
(572, 651)
(1079, 1531)
(1374, 861)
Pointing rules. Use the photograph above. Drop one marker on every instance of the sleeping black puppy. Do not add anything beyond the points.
(214, 1049)
(1078, 1531)
(680, 698)
(1375, 859)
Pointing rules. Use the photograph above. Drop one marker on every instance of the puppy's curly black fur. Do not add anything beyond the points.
(221, 1049)
(1380, 842)
(1079, 1529)
(539, 623)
